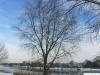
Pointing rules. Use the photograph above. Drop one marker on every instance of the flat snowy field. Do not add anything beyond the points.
(91, 74)
(6, 74)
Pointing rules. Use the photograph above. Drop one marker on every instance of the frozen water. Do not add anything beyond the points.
(8, 70)
(6, 74)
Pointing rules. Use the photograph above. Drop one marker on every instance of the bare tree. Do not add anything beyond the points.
(49, 30)
(97, 2)
(93, 1)
(93, 22)
(3, 52)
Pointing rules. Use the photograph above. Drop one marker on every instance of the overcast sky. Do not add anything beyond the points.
(9, 11)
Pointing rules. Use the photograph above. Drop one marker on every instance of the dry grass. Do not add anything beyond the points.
(20, 74)
(24, 73)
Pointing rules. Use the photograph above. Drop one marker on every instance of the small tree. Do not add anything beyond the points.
(3, 52)
(49, 30)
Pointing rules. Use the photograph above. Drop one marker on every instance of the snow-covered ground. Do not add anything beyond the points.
(91, 73)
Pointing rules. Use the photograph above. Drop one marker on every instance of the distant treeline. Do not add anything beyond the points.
(95, 63)
(37, 64)
(91, 64)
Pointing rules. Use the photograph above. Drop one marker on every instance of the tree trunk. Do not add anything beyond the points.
(45, 70)
(45, 67)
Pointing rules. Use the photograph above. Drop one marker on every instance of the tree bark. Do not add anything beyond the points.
(45, 67)
(45, 70)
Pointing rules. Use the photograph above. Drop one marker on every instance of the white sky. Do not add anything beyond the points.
(86, 51)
